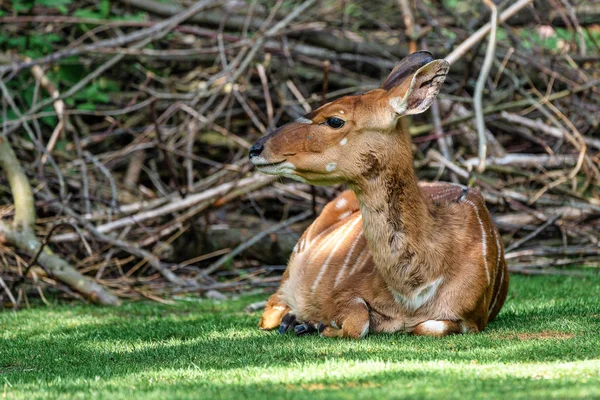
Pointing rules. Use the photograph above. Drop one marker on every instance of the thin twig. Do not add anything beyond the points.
(257, 238)
(475, 38)
(520, 242)
(141, 34)
(480, 85)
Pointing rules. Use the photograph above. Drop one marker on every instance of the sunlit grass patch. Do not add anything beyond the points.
(545, 343)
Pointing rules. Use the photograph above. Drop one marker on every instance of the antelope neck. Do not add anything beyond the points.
(397, 222)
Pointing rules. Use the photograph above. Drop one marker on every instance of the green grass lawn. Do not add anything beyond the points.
(545, 343)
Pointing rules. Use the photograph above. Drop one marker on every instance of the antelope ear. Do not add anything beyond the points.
(414, 96)
(406, 68)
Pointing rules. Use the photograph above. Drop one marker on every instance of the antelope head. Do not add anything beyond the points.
(336, 143)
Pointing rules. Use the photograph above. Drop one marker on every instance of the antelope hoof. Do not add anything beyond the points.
(321, 327)
(305, 329)
(289, 321)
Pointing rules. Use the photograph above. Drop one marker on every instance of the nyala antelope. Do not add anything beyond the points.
(391, 254)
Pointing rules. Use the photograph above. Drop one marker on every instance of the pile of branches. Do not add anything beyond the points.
(126, 125)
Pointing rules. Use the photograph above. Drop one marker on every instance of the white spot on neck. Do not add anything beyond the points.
(331, 167)
(343, 141)
(341, 111)
(303, 120)
(420, 296)
(344, 215)
(341, 203)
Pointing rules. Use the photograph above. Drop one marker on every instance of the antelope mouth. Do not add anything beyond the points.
(279, 168)
(260, 162)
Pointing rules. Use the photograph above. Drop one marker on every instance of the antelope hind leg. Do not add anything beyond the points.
(444, 328)
(353, 322)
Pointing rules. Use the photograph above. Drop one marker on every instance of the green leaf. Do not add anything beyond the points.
(87, 13)
(104, 8)
(101, 11)
(10, 116)
(139, 16)
(61, 144)
(51, 121)
(92, 94)
(17, 43)
(108, 85)
(87, 107)
(70, 74)
(60, 5)
(22, 5)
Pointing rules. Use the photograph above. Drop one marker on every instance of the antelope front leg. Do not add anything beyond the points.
(275, 309)
(351, 322)
(274, 313)
(444, 328)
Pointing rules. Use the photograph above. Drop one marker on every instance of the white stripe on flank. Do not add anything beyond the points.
(443, 193)
(499, 288)
(330, 229)
(345, 265)
(501, 271)
(424, 183)
(483, 239)
(319, 248)
(308, 232)
(325, 265)
(360, 261)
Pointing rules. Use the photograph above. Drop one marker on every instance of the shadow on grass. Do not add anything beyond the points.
(224, 342)
(216, 350)
(409, 381)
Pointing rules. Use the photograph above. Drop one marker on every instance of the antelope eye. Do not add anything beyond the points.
(335, 122)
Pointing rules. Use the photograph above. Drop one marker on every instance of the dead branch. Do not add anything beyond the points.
(21, 234)
(483, 75)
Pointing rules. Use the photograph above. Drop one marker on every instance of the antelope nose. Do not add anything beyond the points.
(256, 150)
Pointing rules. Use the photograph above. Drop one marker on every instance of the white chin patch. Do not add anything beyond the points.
(279, 169)
(295, 177)
(331, 167)
(258, 161)
(304, 121)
